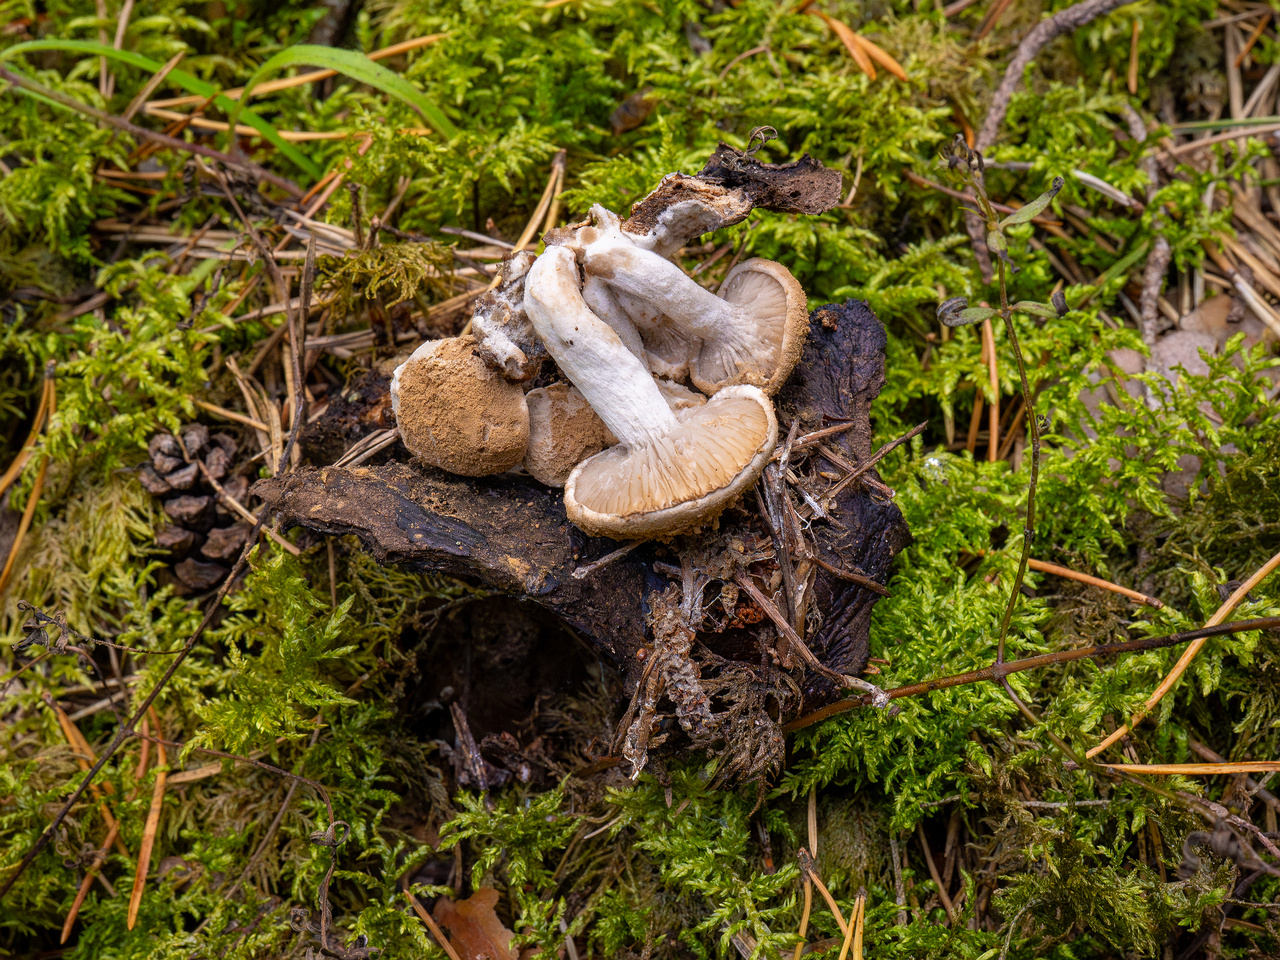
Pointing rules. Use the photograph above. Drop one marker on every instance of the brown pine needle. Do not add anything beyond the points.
(804, 917)
(84, 759)
(230, 415)
(1058, 571)
(992, 18)
(854, 936)
(993, 410)
(878, 54)
(1189, 654)
(150, 829)
(20, 461)
(1133, 56)
(933, 872)
(430, 923)
(850, 41)
(24, 525)
(808, 869)
(1244, 51)
(99, 859)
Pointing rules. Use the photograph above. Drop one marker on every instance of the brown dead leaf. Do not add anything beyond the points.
(474, 929)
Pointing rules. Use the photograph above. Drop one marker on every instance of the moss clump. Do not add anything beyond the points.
(1037, 859)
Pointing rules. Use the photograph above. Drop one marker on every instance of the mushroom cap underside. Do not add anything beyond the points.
(776, 305)
(456, 413)
(683, 479)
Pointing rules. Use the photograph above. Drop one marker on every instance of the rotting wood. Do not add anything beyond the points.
(511, 534)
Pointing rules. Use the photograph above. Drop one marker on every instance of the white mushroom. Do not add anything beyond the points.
(752, 333)
(671, 471)
(456, 413)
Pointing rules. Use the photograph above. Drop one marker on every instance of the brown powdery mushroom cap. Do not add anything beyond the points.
(456, 413)
(563, 431)
(681, 481)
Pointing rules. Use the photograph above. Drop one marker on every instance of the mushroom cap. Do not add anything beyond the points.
(767, 293)
(456, 413)
(682, 480)
(563, 431)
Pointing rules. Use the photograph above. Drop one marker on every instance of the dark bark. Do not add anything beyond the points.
(511, 534)
(801, 186)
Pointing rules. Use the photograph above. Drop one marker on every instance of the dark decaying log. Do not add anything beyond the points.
(510, 533)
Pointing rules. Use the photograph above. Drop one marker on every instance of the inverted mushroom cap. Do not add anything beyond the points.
(681, 480)
(773, 302)
(456, 413)
(563, 431)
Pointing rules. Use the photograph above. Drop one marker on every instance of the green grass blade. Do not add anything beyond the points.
(181, 78)
(358, 67)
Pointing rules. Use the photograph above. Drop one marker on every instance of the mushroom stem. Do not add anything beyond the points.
(603, 302)
(591, 354)
(645, 275)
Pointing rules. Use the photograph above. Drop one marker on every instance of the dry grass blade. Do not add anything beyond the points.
(150, 829)
(153, 85)
(230, 415)
(302, 79)
(1247, 766)
(1189, 654)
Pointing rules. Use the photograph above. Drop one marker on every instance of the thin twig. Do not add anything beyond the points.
(997, 671)
(1064, 21)
(1069, 574)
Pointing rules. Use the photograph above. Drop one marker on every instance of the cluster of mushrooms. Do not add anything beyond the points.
(638, 451)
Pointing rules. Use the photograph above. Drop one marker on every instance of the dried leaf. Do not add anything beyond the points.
(474, 929)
